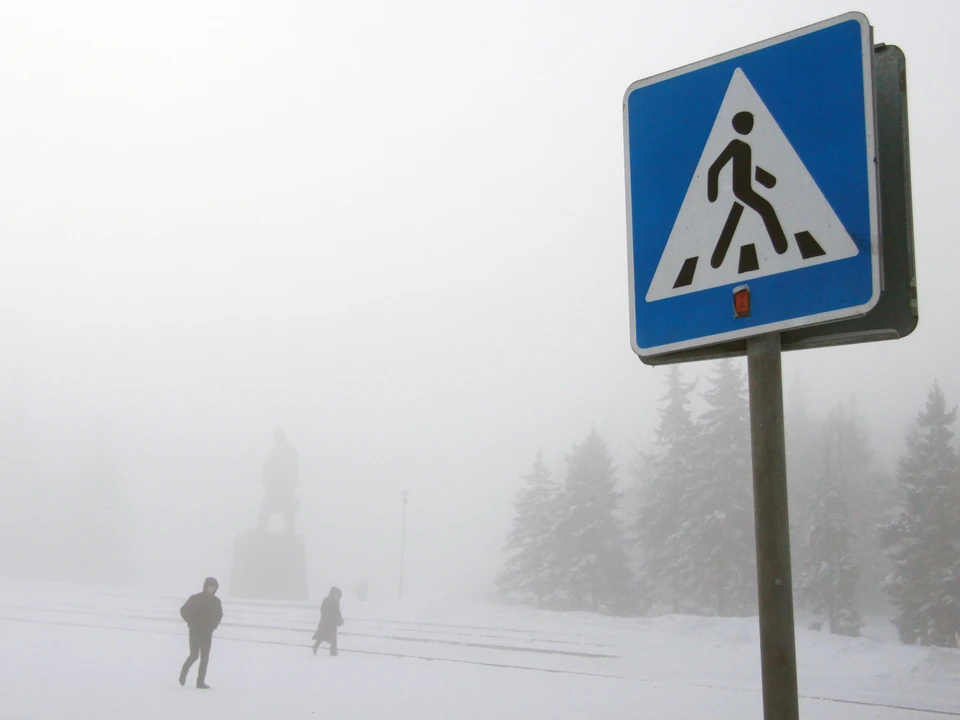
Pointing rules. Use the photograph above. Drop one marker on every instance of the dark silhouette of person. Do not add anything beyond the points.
(203, 613)
(330, 620)
(281, 473)
(740, 154)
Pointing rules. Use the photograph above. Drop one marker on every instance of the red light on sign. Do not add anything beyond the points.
(741, 301)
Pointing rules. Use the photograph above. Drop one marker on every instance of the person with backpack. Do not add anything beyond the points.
(203, 613)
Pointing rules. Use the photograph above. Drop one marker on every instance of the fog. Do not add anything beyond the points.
(396, 231)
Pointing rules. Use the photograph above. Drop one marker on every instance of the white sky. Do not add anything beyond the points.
(395, 229)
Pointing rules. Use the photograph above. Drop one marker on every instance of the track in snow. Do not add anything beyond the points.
(79, 610)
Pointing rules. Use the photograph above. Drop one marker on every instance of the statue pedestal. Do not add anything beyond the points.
(269, 566)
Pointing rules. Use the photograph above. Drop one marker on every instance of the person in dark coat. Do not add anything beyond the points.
(203, 613)
(330, 620)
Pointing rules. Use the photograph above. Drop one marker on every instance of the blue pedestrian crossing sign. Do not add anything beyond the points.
(752, 178)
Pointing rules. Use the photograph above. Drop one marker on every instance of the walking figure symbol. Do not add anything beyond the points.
(740, 155)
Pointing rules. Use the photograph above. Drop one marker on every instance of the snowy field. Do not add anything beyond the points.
(81, 653)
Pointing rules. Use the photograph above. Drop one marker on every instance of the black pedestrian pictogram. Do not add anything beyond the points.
(739, 154)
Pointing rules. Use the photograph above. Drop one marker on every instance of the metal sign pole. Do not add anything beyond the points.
(778, 655)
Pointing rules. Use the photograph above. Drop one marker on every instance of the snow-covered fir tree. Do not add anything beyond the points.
(828, 576)
(530, 570)
(924, 541)
(715, 544)
(667, 473)
(869, 499)
(591, 555)
(865, 489)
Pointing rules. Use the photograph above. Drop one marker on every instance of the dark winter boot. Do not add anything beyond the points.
(201, 685)
(183, 675)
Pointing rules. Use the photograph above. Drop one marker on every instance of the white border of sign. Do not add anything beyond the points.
(866, 34)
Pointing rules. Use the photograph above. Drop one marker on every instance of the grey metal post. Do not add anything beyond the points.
(778, 654)
(403, 537)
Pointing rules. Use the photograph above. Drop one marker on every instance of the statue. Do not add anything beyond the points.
(281, 473)
(273, 566)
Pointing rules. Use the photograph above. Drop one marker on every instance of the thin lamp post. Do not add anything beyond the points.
(405, 495)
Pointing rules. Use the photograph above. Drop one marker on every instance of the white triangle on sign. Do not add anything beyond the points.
(715, 243)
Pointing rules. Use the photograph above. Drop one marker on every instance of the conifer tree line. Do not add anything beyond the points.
(675, 533)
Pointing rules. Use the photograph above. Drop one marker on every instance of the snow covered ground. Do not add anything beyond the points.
(82, 653)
